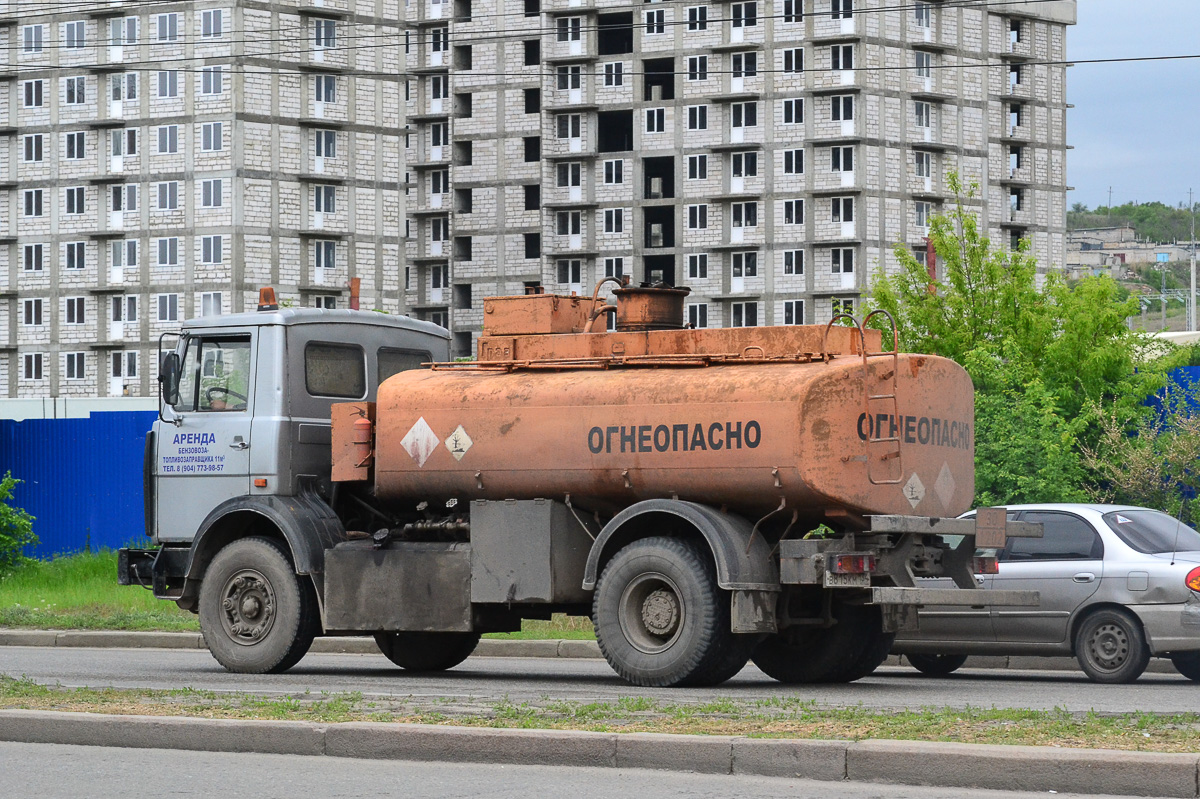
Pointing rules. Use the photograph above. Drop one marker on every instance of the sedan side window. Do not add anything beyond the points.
(1066, 537)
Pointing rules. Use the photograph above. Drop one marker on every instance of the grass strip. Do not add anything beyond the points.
(779, 717)
(80, 592)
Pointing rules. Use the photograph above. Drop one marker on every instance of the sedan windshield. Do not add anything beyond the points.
(1152, 532)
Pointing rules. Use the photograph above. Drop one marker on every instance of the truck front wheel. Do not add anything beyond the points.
(427, 651)
(257, 615)
(661, 620)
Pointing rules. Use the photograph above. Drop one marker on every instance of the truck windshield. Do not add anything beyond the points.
(1153, 532)
(215, 374)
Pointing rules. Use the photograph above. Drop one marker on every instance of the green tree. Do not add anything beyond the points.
(16, 527)
(1042, 358)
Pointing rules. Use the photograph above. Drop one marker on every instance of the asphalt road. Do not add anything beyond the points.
(488, 680)
(48, 771)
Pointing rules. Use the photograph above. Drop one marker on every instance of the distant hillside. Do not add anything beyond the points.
(1152, 221)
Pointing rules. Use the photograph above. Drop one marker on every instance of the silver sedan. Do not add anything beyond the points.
(1118, 586)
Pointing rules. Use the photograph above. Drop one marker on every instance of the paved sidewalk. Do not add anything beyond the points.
(1010, 768)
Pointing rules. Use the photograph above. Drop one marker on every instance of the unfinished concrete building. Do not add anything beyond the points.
(164, 160)
(768, 154)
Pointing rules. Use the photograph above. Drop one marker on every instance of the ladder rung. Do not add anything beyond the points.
(880, 397)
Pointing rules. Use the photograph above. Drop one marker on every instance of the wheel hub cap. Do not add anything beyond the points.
(651, 613)
(1110, 646)
(660, 612)
(247, 607)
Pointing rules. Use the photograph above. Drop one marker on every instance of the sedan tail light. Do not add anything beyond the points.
(1192, 581)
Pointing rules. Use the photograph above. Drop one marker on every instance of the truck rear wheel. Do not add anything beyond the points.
(257, 615)
(427, 651)
(849, 650)
(662, 621)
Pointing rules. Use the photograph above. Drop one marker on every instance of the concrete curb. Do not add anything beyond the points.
(488, 647)
(900, 762)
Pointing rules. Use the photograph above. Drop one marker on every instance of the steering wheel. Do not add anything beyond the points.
(225, 395)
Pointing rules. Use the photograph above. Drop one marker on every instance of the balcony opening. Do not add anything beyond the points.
(462, 10)
(463, 250)
(533, 245)
(660, 269)
(533, 196)
(463, 153)
(533, 8)
(659, 226)
(659, 79)
(533, 52)
(462, 296)
(659, 177)
(533, 148)
(462, 344)
(462, 57)
(614, 35)
(463, 201)
(614, 131)
(533, 101)
(463, 105)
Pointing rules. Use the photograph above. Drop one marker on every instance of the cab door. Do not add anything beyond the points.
(204, 458)
(1065, 566)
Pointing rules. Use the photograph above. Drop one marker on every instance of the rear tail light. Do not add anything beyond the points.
(852, 564)
(985, 565)
(1192, 581)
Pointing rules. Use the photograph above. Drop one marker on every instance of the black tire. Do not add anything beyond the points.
(662, 621)
(849, 650)
(1111, 647)
(427, 651)
(1187, 664)
(936, 665)
(257, 615)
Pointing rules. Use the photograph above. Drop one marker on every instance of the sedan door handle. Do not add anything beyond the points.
(1084, 577)
(239, 445)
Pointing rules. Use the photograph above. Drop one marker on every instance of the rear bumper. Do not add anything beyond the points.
(1171, 628)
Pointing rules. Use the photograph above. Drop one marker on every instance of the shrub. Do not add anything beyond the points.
(16, 527)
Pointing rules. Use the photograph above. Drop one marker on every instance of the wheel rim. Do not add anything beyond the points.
(1109, 646)
(651, 613)
(247, 607)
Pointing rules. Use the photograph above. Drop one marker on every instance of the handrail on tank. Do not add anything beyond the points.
(895, 330)
(862, 338)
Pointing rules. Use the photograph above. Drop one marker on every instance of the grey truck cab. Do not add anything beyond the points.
(243, 435)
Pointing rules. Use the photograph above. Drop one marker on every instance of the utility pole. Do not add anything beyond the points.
(1192, 296)
(1110, 203)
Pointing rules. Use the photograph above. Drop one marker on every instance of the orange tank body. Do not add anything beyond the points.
(742, 435)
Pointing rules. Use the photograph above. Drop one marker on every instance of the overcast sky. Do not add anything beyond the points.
(1134, 126)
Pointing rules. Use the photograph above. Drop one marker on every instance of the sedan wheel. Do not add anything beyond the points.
(1111, 647)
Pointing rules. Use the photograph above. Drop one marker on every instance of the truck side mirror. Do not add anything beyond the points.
(168, 378)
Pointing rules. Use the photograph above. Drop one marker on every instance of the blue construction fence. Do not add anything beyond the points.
(81, 478)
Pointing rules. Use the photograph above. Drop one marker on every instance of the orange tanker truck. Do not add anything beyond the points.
(707, 497)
